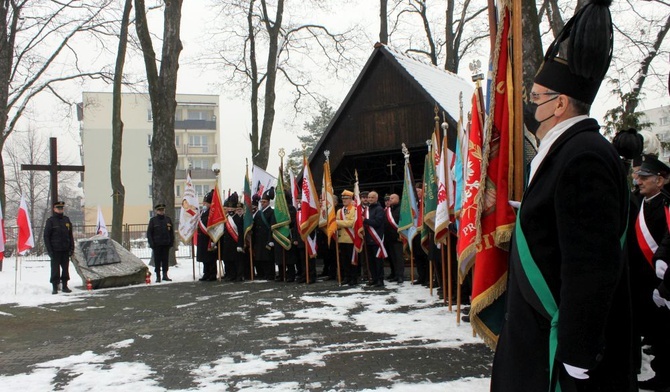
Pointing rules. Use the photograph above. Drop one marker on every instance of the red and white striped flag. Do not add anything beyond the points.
(26, 241)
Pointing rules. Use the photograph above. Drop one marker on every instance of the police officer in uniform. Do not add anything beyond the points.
(59, 242)
(160, 234)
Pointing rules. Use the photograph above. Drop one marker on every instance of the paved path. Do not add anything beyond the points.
(189, 333)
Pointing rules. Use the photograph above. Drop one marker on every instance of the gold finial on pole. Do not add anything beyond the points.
(327, 154)
(405, 152)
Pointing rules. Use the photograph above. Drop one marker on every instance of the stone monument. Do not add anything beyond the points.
(107, 264)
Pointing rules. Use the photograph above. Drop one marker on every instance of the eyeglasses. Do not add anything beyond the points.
(535, 96)
(59, 208)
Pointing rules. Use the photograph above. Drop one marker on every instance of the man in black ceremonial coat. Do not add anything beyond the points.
(568, 317)
(207, 251)
(263, 246)
(233, 241)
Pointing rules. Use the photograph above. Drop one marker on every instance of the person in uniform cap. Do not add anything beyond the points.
(652, 317)
(59, 242)
(207, 250)
(160, 235)
(345, 219)
(568, 320)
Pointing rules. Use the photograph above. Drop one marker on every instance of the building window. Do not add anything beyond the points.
(664, 120)
(150, 115)
(200, 164)
(149, 190)
(148, 139)
(177, 140)
(150, 165)
(178, 191)
(199, 114)
(201, 190)
(197, 140)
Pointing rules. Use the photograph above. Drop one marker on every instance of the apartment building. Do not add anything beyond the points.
(659, 118)
(197, 140)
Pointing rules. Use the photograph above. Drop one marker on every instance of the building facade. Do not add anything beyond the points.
(197, 140)
(659, 119)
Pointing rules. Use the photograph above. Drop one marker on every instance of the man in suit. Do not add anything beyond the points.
(566, 257)
(207, 251)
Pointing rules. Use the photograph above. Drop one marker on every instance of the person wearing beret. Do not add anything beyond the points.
(207, 250)
(160, 235)
(651, 226)
(59, 242)
(567, 322)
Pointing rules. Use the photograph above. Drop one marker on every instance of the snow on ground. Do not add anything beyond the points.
(29, 286)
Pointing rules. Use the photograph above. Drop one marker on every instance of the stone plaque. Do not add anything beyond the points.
(99, 252)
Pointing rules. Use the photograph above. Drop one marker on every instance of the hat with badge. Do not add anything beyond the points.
(59, 204)
(577, 67)
(347, 193)
(652, 166)
(159, 207)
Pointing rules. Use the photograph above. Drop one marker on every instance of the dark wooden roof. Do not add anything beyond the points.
(392, 102)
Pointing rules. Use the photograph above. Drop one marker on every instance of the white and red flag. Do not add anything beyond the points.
(25, 241)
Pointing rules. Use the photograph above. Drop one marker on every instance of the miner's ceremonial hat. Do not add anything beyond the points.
(578, 70)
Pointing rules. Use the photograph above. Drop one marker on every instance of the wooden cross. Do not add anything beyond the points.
(53, 168)
(390, 166)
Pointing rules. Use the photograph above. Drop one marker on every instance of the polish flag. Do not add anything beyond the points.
(26, 240)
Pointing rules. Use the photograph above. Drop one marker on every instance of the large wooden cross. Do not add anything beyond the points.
(53, 168)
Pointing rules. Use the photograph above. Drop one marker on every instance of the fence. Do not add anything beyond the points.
(134, 239)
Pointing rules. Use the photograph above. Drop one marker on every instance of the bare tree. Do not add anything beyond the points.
(37, 35)
(286, 46)
(463, 29)
(118, 190)
(162, 93)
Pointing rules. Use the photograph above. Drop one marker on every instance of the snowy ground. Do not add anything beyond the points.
(96, 371)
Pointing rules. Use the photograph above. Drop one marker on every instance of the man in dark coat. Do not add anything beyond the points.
(374, 223)
(566, 257)
(207, 251)
(392, 239)
(160, 235)
(59, 242)
(651, 227)
(233, 240)
(263, 246)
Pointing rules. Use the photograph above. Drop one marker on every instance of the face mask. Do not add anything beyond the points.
(536, 106)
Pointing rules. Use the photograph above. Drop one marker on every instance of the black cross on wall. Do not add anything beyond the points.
(53, 168)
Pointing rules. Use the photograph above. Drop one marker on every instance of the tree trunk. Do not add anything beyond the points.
(274, 29)
(531, 45)
(255, 84)
(118, 190)
(162, 92)
(383, 22)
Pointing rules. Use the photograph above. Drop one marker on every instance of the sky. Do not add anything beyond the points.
(89, 371)
(234, 110)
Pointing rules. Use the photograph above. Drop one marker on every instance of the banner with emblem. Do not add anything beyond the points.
(189, 215)
(280, 230)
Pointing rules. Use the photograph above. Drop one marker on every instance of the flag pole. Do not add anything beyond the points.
(193, 238)
(458, 303)
(281, 178)
(448, 250)
(249, 240)
(16, 270)
(517, 81)
(337, 257)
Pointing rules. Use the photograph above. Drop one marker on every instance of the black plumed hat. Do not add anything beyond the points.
(269, 194)
(579, 71)
(628, 143)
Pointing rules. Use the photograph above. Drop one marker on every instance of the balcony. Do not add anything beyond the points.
(195, 125)
(196, 174)
(187, 150)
